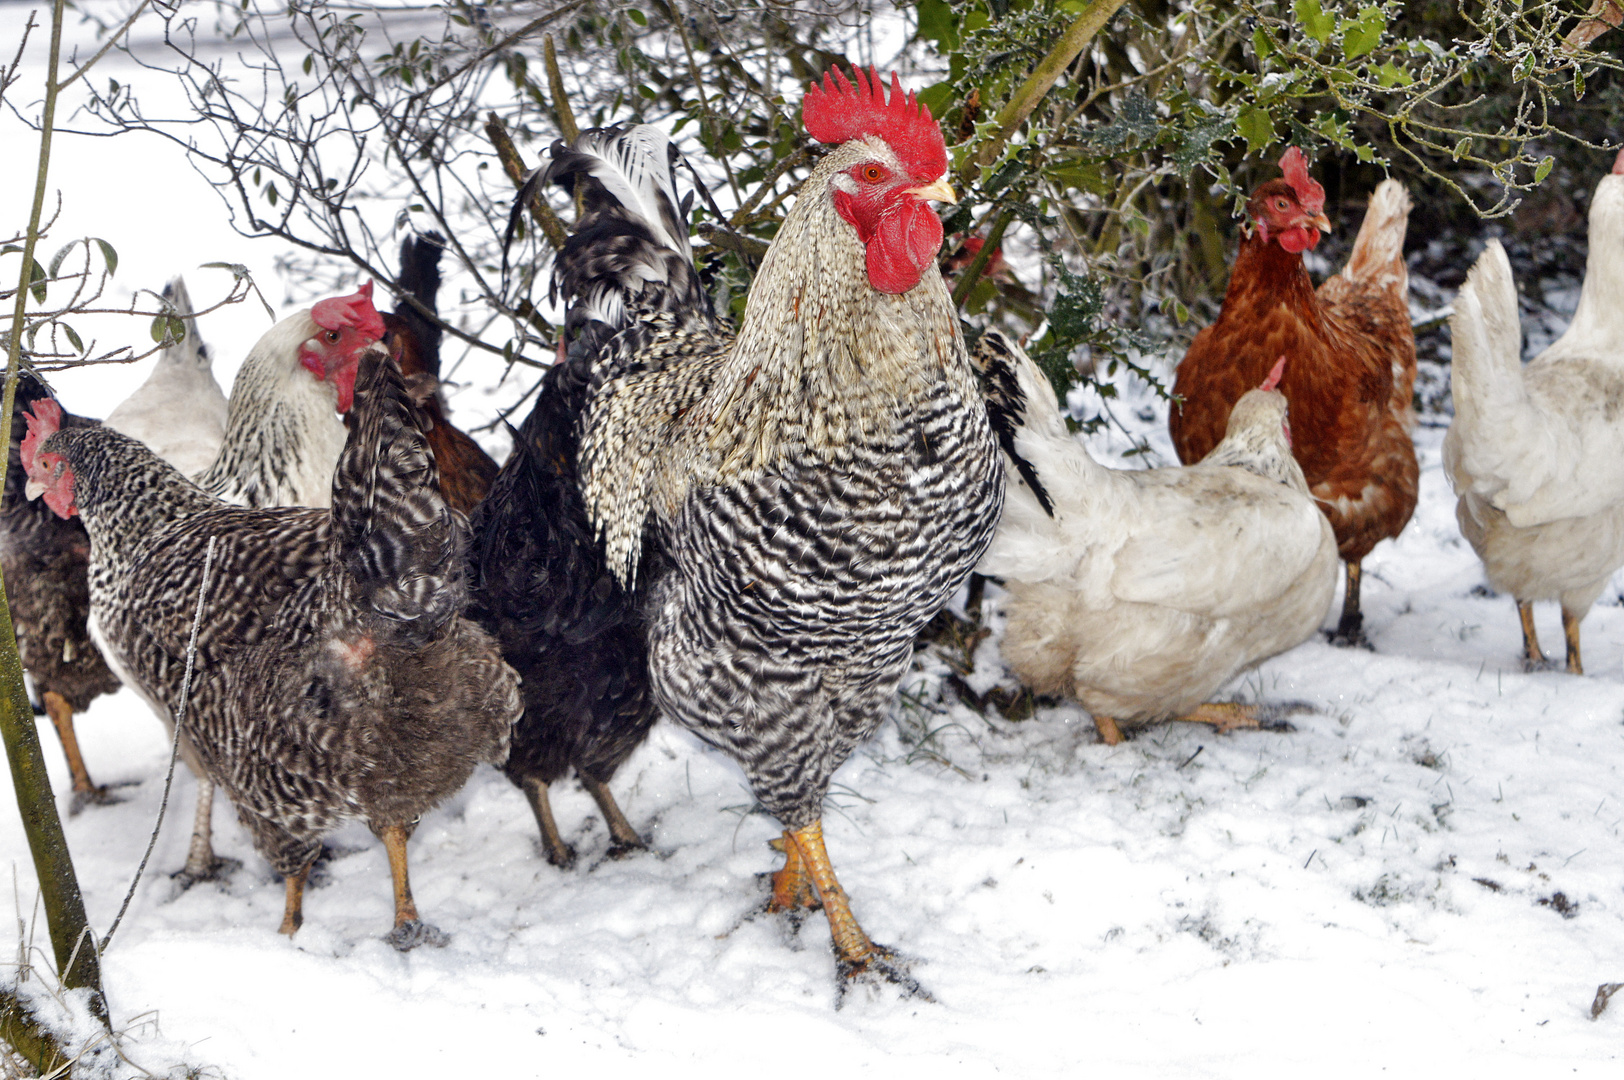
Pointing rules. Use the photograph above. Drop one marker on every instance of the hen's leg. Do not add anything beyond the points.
(855, 954)
(624, 838)
(1533, 657)
(1350, 628)
(792, 885)
(84, 792)
(558, 853)
(293, 906)
(1110, 734)
(202, 864)
(1570, 627)
(409, 931)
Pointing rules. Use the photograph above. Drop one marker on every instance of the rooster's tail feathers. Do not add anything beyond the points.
(392, 530)
(1378, 250)
(628, 257)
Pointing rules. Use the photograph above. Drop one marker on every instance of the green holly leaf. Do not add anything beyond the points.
(1315, 22)
(1256, 126)
(1360, 36)
(1390, 74)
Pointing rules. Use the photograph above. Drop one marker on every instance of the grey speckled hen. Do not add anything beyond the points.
(335, 676)
(814, 489)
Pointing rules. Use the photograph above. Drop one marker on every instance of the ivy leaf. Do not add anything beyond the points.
(1256, 126)
(1362, 35)
(1315, 22)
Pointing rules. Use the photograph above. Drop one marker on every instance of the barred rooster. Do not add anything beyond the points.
(790, 505)
(335, 678)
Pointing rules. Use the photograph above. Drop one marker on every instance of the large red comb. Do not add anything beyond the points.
(44, 419)
(1309, 193)
(839, 112)
(338, 312)
(1273, 381)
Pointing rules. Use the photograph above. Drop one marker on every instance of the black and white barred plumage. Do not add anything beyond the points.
(796, 501)
(335, 678)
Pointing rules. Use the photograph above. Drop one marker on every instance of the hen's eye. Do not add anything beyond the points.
(332, 337)
(873, 173)
(1280, 204)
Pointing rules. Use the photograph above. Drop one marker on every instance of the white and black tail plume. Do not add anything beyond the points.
(627, 259)
(996, 364)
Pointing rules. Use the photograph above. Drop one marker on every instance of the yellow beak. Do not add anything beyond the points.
(1321, 222)
(941, 191)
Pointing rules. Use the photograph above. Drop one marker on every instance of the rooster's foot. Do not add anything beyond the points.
(414, 932)
(621, 850)
(880, 968)
(1226, 716)
(215, 868)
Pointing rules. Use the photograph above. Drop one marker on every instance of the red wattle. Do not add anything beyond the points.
(906, 242)
(1299, 239)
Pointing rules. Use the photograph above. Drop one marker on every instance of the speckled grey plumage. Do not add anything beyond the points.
(335, 678)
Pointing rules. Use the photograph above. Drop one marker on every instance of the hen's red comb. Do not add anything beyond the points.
(1618, 164)
(1273, 381)
(44, 419)
(838, 112)
(338, 312)
(1309, 193)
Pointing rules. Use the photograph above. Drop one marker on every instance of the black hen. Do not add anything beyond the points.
(542, 585)
(44, 559)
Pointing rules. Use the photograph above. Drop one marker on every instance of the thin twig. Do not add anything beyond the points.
(174, 748)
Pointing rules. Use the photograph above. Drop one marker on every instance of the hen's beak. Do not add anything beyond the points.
(33, 489)
(942, 191)
(1320, 222)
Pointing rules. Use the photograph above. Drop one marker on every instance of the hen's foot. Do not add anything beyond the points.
(215, 868)
(1531, 664)
(1227, 716)
(623, 838)
(414, 932)
(1570, 629)
(882, 967)
(1350, 635)
(553, 846)
(95, 795)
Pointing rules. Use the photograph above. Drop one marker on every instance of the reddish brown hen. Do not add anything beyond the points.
(1350, 369)
(413, 339)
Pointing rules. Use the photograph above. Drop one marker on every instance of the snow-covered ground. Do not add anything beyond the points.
(1424, 878)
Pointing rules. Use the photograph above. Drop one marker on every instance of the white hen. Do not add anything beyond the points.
(180, 411)
(1147, 591)
(1536, 453)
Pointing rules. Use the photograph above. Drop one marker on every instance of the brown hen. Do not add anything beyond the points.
(1350, 362)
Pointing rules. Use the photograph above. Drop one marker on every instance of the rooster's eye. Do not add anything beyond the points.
(332, 337)
(873, 173)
